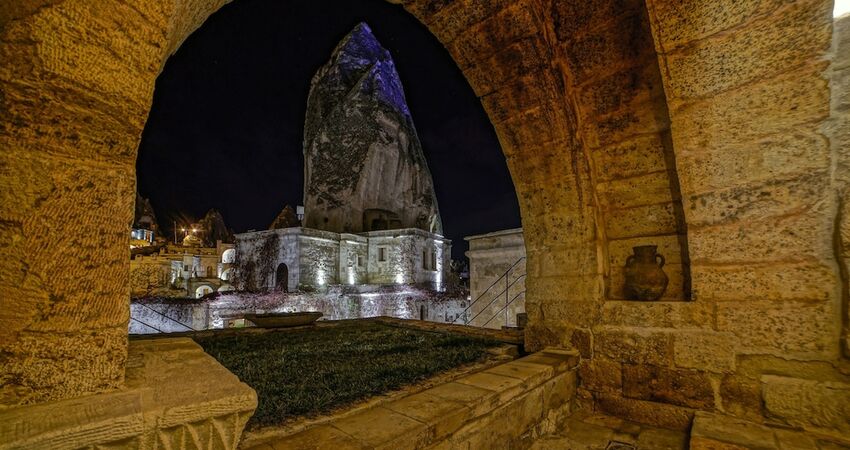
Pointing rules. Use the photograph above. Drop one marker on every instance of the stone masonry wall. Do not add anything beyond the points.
(839, 129)
(318, 260)
(747, 95)
(259, 254)
(577, 105)
(77, 79)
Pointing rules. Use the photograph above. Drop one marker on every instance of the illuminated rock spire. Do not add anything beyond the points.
(364, 166)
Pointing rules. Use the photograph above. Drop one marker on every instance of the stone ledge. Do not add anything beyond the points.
(175, 396)
(717, 432)
(507, 336)
(533, 391)
(821, 406)
(511, 336)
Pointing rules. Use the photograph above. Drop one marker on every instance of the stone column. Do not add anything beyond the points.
(77, 81)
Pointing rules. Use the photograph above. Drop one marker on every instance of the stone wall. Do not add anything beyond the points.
(353, 259)
(318, 259)
(747, 93)
(176, 396)
(839, 129)
(491, 257)
(598, 150)
(506, 406)
(259, 254)
(151, 316)
(408, 257)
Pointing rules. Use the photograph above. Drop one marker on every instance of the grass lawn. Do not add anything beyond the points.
(312, 371)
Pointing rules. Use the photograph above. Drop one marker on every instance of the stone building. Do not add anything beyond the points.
(718, 129)
(145, 228)
(298, 258)
(497, 271)
(182, 271)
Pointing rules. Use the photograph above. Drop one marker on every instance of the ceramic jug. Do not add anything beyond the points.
(645, 279)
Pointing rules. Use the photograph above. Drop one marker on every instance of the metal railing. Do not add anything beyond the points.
(188, 328)
(505, 291)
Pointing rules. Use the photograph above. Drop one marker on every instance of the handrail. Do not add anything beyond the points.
(149, 326)
(163, 315)
(484, 292)
(502, 309)
(498, 296)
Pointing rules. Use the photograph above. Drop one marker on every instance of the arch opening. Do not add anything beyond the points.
(281, 278)
(203, 290)
(525, 95)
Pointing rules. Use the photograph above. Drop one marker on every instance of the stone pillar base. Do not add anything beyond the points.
(175, 396)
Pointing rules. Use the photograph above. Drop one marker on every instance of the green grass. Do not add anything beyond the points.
(313, 371)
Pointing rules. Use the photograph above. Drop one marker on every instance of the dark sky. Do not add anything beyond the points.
(225, 129)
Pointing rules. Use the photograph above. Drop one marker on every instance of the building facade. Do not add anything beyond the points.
(182, 271)
(305, 258)
(496, 278)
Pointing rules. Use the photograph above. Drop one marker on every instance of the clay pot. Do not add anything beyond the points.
(644, 278)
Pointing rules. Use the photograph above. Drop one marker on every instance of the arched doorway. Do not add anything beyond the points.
(281, 278)
(203, 290)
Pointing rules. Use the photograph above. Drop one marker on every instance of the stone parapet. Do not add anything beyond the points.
(176, 397)
(507, 406)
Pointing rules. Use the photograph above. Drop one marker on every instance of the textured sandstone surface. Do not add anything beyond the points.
(505, 406)
(176, 396)
(361, 150)
(604, 110)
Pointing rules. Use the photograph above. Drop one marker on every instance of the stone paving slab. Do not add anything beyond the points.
(591, 431)
(444, 417)
(505, 387)
(480, 400)
(381, 427)
(316, 438)
(718, 432)
(527, 372)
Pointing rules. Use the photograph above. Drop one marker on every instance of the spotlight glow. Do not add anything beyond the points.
(842, 7)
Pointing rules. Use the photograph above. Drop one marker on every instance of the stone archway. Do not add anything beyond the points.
(582, 118)
(203, 290)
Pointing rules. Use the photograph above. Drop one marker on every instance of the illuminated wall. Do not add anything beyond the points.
(317, 259)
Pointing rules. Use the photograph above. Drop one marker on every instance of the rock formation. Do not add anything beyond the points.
(214, 229)
(363, 162)
(286, 219)
(144, 216)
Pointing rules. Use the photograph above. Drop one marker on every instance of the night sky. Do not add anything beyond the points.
(225, 130)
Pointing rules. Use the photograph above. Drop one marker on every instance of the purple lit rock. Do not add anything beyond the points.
(364, 166)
